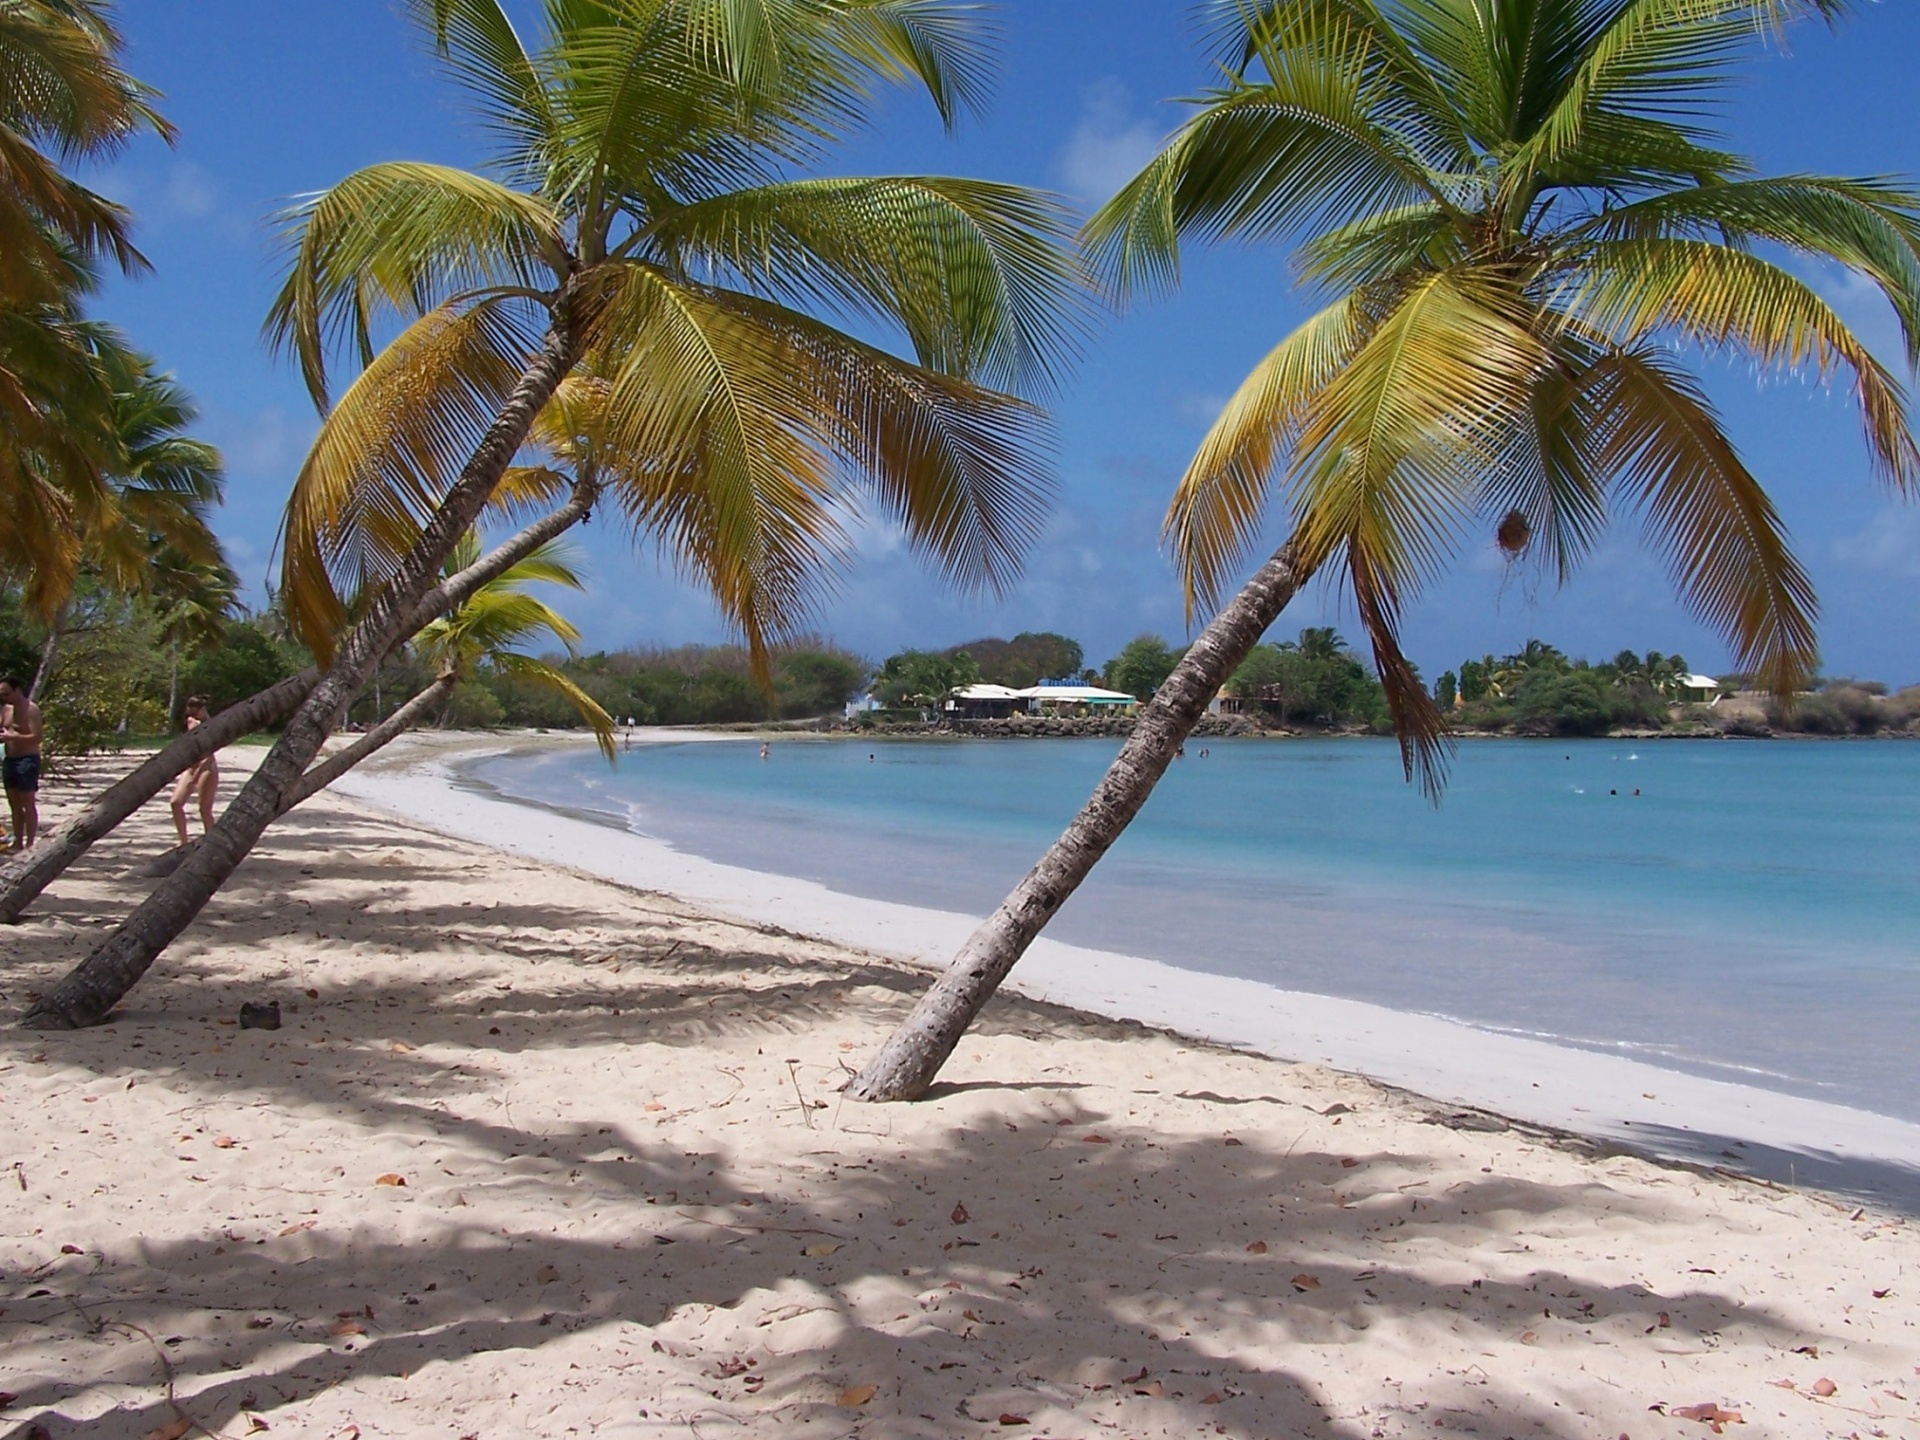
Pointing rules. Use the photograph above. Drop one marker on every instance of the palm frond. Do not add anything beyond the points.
(386, 456)
(398, 240)
(978, 274)
(1716, 296)
(1871, 226)
(732, 425)
(539, 673)
(1552, 473)
(1707, 514)
(1389, 446)
(1657, 57)
(1221, 500)
(478, 44)
(1306, 144)
(1402, 79)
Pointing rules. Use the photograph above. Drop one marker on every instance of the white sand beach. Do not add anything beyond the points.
(539, 1153)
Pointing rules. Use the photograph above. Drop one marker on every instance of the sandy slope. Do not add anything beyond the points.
(635, 1205)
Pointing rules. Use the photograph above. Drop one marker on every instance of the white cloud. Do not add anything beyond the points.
(1204, 409)
(268, 444)
(1109, 143)
(189, 191)
(1889, 544)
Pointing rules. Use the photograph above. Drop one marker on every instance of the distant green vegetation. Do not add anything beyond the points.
(1539, 691)
(1022, 662)
(1315, 681)
(122, 673)
(691, 685)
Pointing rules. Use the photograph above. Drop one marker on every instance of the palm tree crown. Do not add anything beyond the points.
(1519, 211)
(642, 197)
(489, 626)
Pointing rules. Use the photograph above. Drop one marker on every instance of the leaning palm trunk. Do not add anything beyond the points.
(388, 730)
(906, 1065)
(97, 984)
(39, 867)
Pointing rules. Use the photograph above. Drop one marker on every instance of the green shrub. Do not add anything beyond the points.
(247, 660)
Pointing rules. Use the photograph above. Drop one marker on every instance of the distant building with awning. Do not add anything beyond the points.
(999, 702)
(1700, 688)
(1052, 699)
(984, 702)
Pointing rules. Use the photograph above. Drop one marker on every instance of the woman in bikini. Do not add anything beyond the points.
(202, 780)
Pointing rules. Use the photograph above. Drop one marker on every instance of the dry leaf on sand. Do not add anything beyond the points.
(170, 1432)
(824, 1247)
(347, 1327)
(1824, 1387)
(1258, 1247)
(391, 1180)
(960, 1215)
(1708, 1413)
(1304, 1282)
(854, 1396)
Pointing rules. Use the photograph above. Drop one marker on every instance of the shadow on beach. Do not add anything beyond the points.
(714, 1240)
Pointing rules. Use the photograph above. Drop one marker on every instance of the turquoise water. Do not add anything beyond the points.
(1751, 914)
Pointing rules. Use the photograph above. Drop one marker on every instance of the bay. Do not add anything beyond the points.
(1742, 910)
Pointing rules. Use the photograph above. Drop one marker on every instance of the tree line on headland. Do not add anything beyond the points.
(122, 675)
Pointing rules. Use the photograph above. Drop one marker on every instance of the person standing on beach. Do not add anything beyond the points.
(202, 780)
(20, 728)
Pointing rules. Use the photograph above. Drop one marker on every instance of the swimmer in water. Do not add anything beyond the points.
(764, 747)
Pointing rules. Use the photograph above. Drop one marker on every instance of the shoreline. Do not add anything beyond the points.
(1647, 1109)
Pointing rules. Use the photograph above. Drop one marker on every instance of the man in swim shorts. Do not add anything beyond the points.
(20, 728)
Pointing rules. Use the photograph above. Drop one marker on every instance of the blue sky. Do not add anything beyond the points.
(273, 100)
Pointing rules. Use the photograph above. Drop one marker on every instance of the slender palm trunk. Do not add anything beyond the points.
(39, 867)
(173, 683)
(44, 672)
(325, 772)
(906, 1065)
(35, 869)
(98, 983)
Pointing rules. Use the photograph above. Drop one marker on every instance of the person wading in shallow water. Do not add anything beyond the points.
(202, 780)
(20, 728)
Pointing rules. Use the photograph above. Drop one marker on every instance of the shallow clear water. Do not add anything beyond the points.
(1751, 914)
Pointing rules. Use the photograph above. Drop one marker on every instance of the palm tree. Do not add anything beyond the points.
(643, 215)
(149, 532)
(63, 97)
(482, 631)
(110, 479)
(1518, 215)
(485, 631)
(194, 603)
(62, 91)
